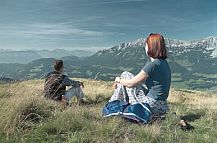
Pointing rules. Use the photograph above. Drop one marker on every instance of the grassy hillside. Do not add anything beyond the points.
(25, 116)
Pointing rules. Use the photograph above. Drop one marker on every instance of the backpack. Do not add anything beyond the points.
(54, 87)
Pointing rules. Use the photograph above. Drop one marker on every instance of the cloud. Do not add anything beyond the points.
(42, 29)
(51, 35)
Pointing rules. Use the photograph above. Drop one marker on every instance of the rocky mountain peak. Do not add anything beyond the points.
(206, 44)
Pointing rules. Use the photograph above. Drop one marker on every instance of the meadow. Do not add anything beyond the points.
(25, 116)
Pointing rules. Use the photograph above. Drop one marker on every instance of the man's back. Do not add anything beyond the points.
(54, 87)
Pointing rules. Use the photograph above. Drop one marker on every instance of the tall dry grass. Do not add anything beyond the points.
(25, 116)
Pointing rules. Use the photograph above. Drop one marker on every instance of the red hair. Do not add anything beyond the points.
(156, 46)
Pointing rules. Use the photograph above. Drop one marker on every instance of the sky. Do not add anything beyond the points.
(99, 24)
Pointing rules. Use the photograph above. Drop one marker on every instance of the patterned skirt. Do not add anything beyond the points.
(137, 94)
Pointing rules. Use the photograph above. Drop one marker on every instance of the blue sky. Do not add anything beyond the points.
(97, 24)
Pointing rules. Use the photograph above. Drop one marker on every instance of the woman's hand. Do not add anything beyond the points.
(117, 79)
(115, 85)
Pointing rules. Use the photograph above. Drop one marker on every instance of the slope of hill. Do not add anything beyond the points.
(27, 117)
(21, 57)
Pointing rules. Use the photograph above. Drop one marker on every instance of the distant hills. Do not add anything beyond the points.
(6, 80)
(193, 63)
(26, 56)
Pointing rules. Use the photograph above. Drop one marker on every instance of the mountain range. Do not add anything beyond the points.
(193, 63)
(196, 56)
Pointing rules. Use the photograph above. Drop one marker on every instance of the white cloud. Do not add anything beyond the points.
(44, 29)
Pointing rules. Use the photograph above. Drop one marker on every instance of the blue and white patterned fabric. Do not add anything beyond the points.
(138, 95)
(139, 113)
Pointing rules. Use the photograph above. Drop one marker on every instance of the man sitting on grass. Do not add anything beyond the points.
(55, 86)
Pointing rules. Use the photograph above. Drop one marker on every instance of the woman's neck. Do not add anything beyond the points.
(152, 59)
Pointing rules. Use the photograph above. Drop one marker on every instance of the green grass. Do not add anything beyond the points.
(197, 81)
(205, 75)
(25, 116)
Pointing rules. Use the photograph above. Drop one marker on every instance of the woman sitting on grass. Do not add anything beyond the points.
(151, 85)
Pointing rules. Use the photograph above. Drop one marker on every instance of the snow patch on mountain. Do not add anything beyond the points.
(208, 44)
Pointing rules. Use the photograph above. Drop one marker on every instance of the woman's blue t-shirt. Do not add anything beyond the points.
(159, 79)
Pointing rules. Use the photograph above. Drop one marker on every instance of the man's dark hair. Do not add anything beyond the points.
(58, 64)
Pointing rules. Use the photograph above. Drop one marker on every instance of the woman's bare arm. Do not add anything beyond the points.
(140, 77)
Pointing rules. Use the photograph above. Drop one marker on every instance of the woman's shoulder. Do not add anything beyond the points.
(155, 62)
(160, 61)
(149, 67)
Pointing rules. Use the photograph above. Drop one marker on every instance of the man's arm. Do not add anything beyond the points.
(68, 82)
